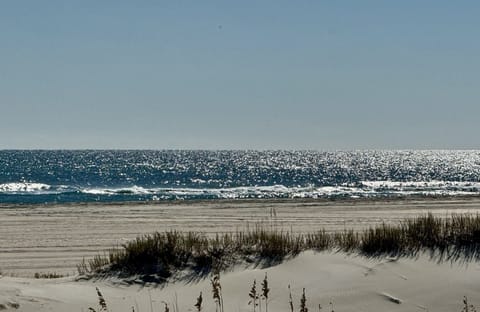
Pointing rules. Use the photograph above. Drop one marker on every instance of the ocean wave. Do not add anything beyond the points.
(24, 187)
(421, 185)
(364, 189)
(134, 190)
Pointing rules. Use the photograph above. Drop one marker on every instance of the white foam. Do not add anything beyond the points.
(422, 185)
(137, 190)
(24, 187)
(365, 189)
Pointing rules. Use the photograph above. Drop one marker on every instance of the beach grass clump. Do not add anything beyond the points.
(320, 240)
(464, 235)
(383, 239)
(453, 237)
(426, 232)
(269, 244)
(164, 253)
(347, 240)
(161, 254)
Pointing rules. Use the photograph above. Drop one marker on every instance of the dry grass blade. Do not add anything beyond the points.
(290, 298)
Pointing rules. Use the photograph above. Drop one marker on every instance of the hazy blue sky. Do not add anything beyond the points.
(240, 74)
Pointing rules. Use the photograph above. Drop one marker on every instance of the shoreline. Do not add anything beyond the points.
(387, 199)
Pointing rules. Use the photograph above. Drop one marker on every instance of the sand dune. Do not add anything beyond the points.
(351, 283)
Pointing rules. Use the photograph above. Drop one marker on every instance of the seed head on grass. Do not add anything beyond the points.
(216, 288)
(217, 293)
(265, 291)
(467, 307)
(101, 302)
(303, 302)
(166, 309)
(290, 298)
(198, 305)
(253, 295)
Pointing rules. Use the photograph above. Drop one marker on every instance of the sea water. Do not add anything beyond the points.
(37, 176)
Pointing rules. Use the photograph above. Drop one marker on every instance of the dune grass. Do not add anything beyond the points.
(161, 254)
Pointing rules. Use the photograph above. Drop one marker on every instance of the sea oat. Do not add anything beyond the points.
(198, 305)
(265, 291)
(303, 302)
(253, 295)
(290, 298)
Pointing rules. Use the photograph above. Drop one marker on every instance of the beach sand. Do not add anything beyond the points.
(351, 283)
(55, 238)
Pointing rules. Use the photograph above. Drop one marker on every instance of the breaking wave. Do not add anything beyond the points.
(364, 189)
(24, 187)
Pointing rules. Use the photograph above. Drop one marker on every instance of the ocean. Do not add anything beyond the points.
(70, 176)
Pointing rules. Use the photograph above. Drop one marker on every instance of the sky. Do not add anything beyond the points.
(317, 75)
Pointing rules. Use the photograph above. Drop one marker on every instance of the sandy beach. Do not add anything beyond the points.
(55, 238)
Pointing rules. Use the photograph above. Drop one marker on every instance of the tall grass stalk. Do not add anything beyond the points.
(265, 291)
